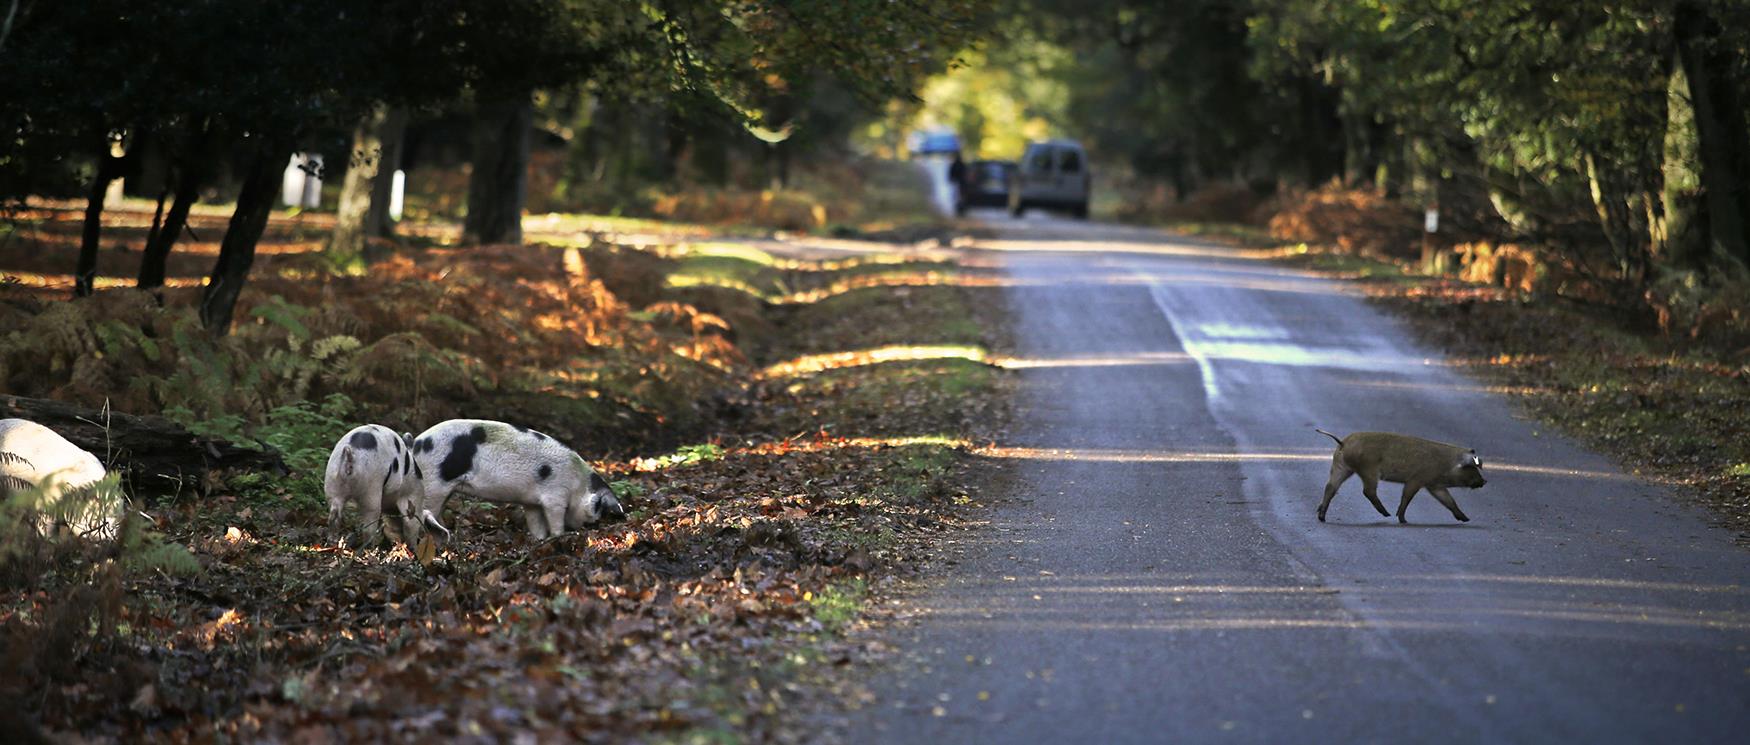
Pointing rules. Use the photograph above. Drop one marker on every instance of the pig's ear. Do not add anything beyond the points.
(407, 439)
(597, 483)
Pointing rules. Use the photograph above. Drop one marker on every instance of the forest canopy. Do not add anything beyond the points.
(1607, 124)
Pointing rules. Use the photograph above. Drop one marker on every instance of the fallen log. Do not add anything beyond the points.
(156, 456)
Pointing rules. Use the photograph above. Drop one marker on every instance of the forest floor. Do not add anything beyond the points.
(785, 433)
(1670, 407)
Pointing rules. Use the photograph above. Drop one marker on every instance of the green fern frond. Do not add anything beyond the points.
(285, 315)
(446, 322)
(334, 345)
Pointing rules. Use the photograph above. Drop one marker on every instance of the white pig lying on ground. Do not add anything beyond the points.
(497, 462)
(371, 466)
(35, 457)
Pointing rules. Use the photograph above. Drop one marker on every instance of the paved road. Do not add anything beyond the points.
(1156, 573)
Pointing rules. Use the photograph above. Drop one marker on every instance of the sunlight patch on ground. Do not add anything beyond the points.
(899, 279)
(814, 363)
(1102, 455)
(1185, 607)
(1622, 584)
(1182, 603)
(1113, 455)
(1569, 620)
(1511, 390)
(756, 255)
(55, 281)
(1121, 246)
(1112, 360)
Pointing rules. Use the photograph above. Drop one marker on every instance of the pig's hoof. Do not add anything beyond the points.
(1321, 517)
(1463, 519)
(1402, 521)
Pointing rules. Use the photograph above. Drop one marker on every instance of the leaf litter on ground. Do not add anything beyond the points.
(718, 610)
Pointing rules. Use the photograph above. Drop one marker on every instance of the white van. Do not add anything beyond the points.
(1052, 174)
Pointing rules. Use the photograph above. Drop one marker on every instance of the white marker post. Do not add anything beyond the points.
(312, 181)
(397, 195)
(292, 182)
(1431, 225)
(300, 186)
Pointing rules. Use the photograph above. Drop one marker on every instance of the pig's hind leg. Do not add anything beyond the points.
(1370, 489)
(336, 506)
(370, 530)
(1339, 474)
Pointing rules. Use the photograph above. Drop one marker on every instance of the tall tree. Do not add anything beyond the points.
(498, 187)
(363, 212)
(1714, 62)
(237, 249)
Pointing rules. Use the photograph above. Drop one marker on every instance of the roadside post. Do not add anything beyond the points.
(1432, 262)
(301, 185)
(397, 195)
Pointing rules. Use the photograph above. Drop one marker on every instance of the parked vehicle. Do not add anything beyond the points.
(1052, 174)
(986, 185)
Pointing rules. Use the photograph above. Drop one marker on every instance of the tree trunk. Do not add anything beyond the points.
(85, 274)
(364, 198)
(191, 168)
(1686, 231)
(157, 254)
(1321, 131)
(1615, 198)
(237, 249)
(1385, 156)
(379, 223)
(1720, 127)
(500, 182)
(157, 456)
(779, 156)
(1358, 165)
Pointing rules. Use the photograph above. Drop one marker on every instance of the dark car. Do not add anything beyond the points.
(986, 184)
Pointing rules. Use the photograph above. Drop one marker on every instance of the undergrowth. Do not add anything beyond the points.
(764, 514)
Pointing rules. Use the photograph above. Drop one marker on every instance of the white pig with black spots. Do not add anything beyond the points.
(498, 462)
(372, 466)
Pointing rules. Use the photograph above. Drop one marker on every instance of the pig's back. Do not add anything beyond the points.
(45, 453)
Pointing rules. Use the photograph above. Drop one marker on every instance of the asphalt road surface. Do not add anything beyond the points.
(1155, 571)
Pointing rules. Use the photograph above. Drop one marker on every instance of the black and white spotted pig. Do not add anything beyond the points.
(497, 462)
(372, 466)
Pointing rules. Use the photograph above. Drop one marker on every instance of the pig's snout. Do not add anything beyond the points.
(611, 509)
